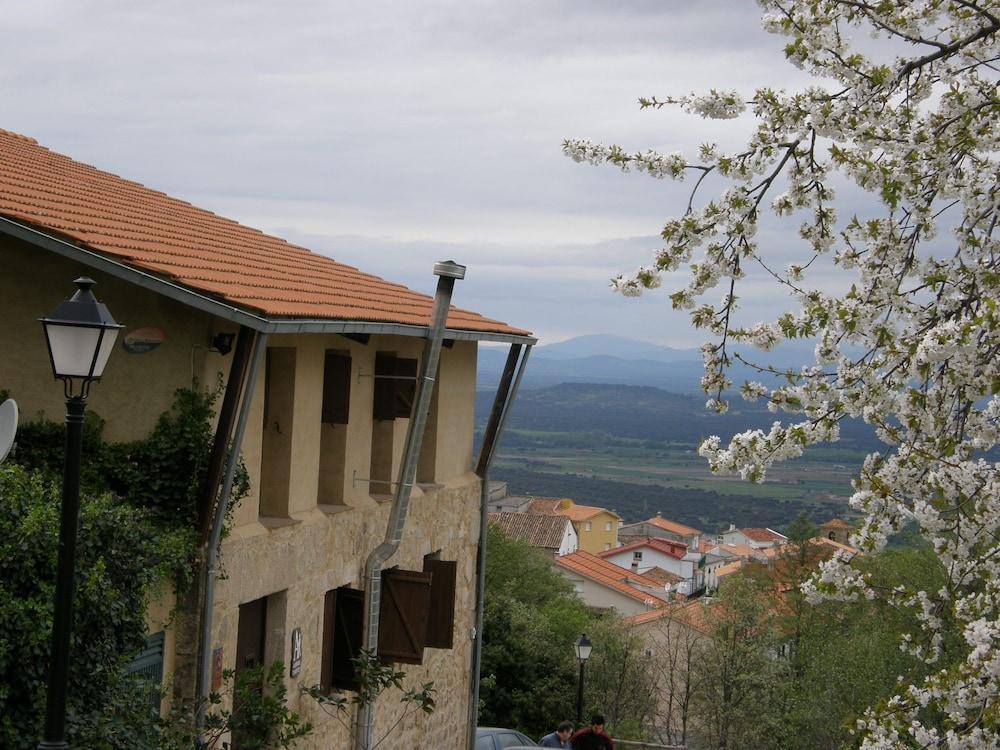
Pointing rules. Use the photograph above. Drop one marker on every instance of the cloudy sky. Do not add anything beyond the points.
(393, 134)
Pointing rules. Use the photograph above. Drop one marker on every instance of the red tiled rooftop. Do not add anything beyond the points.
(611, 575)
(582, 512)
(693, 614)
(194, 248)
(763, 535)
(666, 546)
(672, 526)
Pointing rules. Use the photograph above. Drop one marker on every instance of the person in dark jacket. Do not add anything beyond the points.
(593, 737)
(560, 737)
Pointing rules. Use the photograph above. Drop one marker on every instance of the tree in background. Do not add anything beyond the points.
(529, 670)
(910, 344)
(738, 670)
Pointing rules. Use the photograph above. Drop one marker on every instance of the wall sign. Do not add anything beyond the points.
(142, 340)
(217, 668)
(296, 660)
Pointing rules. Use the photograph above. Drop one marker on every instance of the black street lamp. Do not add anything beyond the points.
(80, 334)
(583, 648)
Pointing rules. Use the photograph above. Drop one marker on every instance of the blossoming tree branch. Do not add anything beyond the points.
(912, 348)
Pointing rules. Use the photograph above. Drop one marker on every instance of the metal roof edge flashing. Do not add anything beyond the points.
(228, 311)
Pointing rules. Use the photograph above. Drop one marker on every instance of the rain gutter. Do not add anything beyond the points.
(502, 403)
(227, 311)
(447, 272)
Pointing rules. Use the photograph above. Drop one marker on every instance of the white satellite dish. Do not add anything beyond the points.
(8, 427)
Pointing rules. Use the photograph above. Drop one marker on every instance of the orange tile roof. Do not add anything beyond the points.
(583, 512)
(672, 526)
(547, 505)
(821, 540)
(837, 523)
(612, 576)
(194, 248)
(728, 569)
(763, 535)
(692, 613)
(661, 575)
(534, 528)
(666, 546)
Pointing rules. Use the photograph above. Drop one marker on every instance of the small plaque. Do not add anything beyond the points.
(142, 340)
(296, 660)
(217, 669)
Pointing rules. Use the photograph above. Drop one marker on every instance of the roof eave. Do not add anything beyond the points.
(228, 311)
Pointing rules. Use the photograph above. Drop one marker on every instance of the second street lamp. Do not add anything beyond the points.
(80, 334)
(583, 648)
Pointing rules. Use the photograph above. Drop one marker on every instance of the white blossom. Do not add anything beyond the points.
(917, 136)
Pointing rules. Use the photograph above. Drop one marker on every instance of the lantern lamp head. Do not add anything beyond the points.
(80, 334)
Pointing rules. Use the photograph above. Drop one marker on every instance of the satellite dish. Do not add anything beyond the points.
(8, 427)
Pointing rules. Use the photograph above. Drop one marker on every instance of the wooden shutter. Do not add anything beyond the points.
(441, 617)
(346, 609)
(406, 389)
(406, 596)
(336, 388)
(384, 401)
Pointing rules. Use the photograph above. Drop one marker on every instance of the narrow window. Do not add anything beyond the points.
(637, 555)
(276, 444)
(441, 618)
(586, 526)
(607, 526)
(333, 430)
(395, 386)
(343, 628)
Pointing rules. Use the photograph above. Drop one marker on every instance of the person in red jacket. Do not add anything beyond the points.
(593, 737)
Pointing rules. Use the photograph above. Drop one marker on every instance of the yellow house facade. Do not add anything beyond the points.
(326, 412)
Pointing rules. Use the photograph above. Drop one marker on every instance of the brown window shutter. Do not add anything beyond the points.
(326, 661)
(384, 401)
(441, 619)
(405, 389)
(336, 388)
(348, 611)
(406, 596)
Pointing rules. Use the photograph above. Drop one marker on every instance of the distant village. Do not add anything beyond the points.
(639, 567)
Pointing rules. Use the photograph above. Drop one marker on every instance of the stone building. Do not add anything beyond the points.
(326, 411)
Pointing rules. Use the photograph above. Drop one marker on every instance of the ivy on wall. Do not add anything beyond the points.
(137, 526)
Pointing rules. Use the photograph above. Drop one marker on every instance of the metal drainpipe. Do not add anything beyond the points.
(498, 418)
(447, 273)
(218, 521)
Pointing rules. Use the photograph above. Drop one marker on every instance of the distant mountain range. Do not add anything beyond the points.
(618, 360)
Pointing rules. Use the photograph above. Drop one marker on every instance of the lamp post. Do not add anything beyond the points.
(583, 648)
(80, 334)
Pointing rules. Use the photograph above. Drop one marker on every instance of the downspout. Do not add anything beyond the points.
(447, 272)
(210, 572)
(223, 432)
(506, 393)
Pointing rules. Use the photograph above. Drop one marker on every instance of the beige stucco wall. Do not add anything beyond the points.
(598, 539)
(136, 388)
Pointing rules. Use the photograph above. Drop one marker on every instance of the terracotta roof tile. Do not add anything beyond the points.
(583, 512)
(612, 576)
(666, 546)
(546, 505)
(661, 575)
(693, 614)
(763, 535)
(148, 230)
(534, 528)
(672, 526)
(837, 523)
